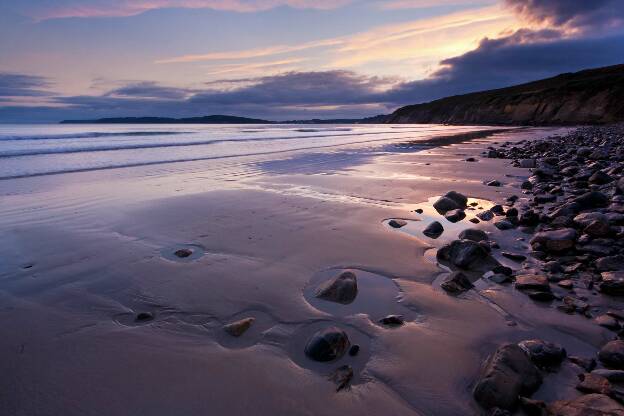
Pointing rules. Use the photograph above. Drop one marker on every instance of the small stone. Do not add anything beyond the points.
(473, 234)
(354, 350)
(493, 183)
(342, 377)
(183, 253)
(392, 320)
(144, 317)
(527, 163)
(456, 282)
(608, 322)
(455, 215)
(566, 284)
(485, 215)
(471, 159)
(238, 328)
(600, 178)
(593, 383)
(610, 263)
(419, 211)
(543, 353)
(612, 354)
(498, 210)
(612, 283)
(540, 295)
(532, 282)
(500, 278)
(504, 225)
(586, 405)
(474, 220)
(587, 364)
(593, 199)
(466, 254)
(597, 228)
(555, 240)
(513, 256)
(342, 289)
(396, 223)
(434, 230)
(328, 344)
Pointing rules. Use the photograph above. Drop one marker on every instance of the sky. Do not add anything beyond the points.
(285, 59)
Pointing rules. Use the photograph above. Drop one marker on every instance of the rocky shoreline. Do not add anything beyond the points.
(573, 207)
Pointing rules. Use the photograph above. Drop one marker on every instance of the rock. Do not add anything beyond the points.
(592, 199)
(587, 218)
(498, 210)
(614, 376)
(456, 282)
(455, 215)
(587, 364)
(485, 215)
(612, 354)
(434, 230)
(532, 282)
(543, 353)
(474, 220)
(532, 407)
(610, 263)
(419, 211)
(529, 219)
(459, 199)
(574, 305)
(593, 383)
(540, 295)
(500, 278)
(553, 267)
(555, 240)
(600, 178)
(395, 223)
(465, 254)
(143, 317)
(327, 344)
(512, 213)
(473, 234)
(597, 228)
(566, 284)
(493, 183)
(504, 225)
(450, 201)
(183, 253)
(342, 377)
(513, 256)
(508, 374)
(620, 185)
(527, 163)
(342, 289)
(587, 405)
(354, 350)
(544, 199)
(238, 328)
(608, 322)
(471, 159)
(612, 283)
(527, 185)
(392, 320)
(507, 271)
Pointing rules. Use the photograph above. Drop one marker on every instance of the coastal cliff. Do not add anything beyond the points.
(587, 97)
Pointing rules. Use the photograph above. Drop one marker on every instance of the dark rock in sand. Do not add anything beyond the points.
(508, 374)
(587, 405)
(600, 178)
(485, 215)
(459, 199)
(493, 183)
(614, 376)
(512, 212)
(498, 210)
(342, 289)
(532, 282)
(513, 256)
(540, 296)
(474, 220)
(608, 322)
(587, 364)
(456, 282)
(354, 350)
(183, 253)
(612, 354)
(529, 219)
(434, 230)
(543, 353)
(238, 328)
(593, 383)
(397, 223)
(555, 240)
(392, 320)
(327, 344)
(502, 270)
(610, 263)
(419, 211)
(450, 201)
(528, 163)
(144, 317)
(586, 218)
(466, 254)
(500, 278)
(597, 228)
(342, 377)
(612, 283)
(504, 225)
(455, 215)
(566, 284)
(593, 199)
(473, 234)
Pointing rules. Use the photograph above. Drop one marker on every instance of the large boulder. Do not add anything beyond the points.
(508, 374)
(467, 255)
(587, 405)
(342, 289)
(612, 354)
(328, 344)
(555, 240)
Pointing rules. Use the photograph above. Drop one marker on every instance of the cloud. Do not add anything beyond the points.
(149, 89)
(22, 85)
(571, 13)
(59, 9)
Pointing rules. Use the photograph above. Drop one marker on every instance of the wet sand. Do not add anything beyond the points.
(85, 252)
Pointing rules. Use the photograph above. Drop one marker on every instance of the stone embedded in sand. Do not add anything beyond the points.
(354, 350)
(327, 344)
(532, 282)
(465, 254)
(392, 320)
(342, 289)
(450, 201)
(600, 178)
(144, 317)
(612, 283)
(434, 230)
(342, 377)
(554, 240)
(238, 328)
(504, 225)
(485, 215)
(528, 163)
(612, 354)
(543, 353)
(493, 183)
(183, 253)
(608, 322)
(513, 256)
(456, 282)
(473, 234)
(610, 263)
(566, 284)
(455, 215)
(459, 199)
(587, 364)
(508, 374)
(587, 218)
(397, 223)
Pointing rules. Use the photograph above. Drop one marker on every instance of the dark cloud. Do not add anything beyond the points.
(150, 90)
(575, 13)
(21, 85)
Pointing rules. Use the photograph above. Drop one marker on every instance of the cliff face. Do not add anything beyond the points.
(594, 96)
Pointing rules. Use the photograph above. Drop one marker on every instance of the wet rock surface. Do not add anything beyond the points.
(342, 289)
(238, 328)
(328, 344)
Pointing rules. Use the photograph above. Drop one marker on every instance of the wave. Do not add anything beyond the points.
(91, 135)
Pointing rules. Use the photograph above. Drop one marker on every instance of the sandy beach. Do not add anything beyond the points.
(85, 252)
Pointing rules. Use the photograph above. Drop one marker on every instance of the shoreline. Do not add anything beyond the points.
(79, 278)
